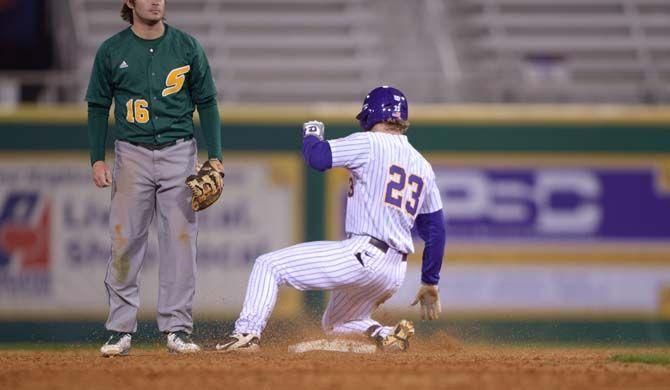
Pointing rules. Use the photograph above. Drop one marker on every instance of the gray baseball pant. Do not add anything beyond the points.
(148, 183)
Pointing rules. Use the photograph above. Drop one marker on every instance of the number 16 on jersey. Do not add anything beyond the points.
(136, 111)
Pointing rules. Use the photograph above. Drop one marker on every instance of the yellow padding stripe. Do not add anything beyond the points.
(420, 114)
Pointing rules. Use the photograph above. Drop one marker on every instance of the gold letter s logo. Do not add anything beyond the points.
(175, 80)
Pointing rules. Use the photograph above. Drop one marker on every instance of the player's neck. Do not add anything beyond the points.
(148, 31)
(385, 130)
(382, 127)
(388, 132)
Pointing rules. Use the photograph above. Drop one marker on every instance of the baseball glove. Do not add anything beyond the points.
(206, 186)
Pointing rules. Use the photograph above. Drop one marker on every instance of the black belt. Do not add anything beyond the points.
(159, 146)
(384, 247)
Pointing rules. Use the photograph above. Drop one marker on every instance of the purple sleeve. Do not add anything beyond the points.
(317, 153)
(432, 231)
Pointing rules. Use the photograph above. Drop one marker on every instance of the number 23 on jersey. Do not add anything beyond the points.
(397, 196)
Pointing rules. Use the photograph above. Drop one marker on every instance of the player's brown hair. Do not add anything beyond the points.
(397, 125)
(127, 13)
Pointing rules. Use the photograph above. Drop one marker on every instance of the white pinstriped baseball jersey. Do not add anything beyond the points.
(390, 184)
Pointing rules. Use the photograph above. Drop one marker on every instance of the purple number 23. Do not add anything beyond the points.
(396, 185)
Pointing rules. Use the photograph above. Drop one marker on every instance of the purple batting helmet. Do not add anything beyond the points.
(381, 104)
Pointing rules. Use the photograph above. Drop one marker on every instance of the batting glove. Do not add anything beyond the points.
(314, 128)
(429, 298)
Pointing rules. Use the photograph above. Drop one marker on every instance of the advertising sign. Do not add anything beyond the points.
(542, 233)
(55, 241)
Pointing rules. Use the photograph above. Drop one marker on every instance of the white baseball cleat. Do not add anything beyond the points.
(117, 345)
(398, 339)
(181, 342)
(247, 342)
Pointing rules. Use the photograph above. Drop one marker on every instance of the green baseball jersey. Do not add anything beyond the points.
(155, 84)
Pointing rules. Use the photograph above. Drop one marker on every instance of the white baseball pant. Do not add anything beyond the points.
(360, 276)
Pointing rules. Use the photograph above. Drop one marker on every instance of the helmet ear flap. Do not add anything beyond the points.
(360, 115)
(363, 119)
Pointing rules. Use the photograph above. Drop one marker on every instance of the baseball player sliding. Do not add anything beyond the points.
(156, 75)
(392, 187)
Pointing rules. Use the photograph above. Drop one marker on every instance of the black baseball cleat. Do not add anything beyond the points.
(247, 342)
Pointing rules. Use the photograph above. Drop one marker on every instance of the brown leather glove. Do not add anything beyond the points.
(206, 185)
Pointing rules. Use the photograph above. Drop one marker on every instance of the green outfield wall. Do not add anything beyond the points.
(628, 137)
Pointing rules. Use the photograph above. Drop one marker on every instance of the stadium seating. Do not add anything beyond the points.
(289, 51)
(264, 50)
(564, 51)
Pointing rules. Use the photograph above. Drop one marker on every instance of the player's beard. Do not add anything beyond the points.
(149, 21)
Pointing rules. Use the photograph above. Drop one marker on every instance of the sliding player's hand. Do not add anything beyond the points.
(429, 298)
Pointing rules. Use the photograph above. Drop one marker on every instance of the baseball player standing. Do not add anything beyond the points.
(392, 187)
(156, 75)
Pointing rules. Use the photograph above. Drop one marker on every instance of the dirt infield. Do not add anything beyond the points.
(440, 363)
